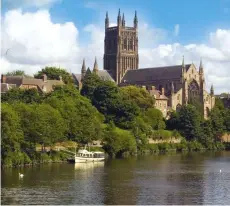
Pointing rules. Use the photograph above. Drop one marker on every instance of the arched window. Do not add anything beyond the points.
(178, 108)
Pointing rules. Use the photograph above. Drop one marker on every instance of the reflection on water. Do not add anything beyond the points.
(161, 179)
(88, 165)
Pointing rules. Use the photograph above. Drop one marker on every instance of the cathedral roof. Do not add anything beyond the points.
(153, 74)
(103, 74)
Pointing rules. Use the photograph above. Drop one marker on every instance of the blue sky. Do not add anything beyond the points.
(63, 32)
(195, 17)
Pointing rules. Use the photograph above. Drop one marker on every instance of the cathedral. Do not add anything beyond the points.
(172, 86)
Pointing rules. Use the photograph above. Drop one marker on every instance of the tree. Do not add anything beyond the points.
(20, 95)
(16, 73)
(217, 121)
(189, 122)
(84, 122)
(11, 132)
(117, 141)
(55, 74)
(90, 82)
(138, 95)
(154, 117)
(107, 99)
(227, 119)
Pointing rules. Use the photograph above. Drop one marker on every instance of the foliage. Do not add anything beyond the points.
(20, 95)
(107, 99)
(11, 132)
(90, 82)
(189, 122)
(196, 102)
(117, 141)
(217, 121)
(55, 74)
(162, 134)
(17, 73)
(138, 95)
(154, 118)
(84, 122)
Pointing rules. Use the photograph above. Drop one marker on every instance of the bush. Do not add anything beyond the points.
(153, 148)
(44, 158)
(194, 146)
(182, 146)
(162, 134)
(164, 147)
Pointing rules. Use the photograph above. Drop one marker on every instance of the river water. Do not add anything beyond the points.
(192, 178)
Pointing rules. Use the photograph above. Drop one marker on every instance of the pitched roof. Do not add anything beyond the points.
(103, 74)
(153, 74)
(46, 86)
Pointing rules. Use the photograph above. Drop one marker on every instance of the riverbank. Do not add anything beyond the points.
(30, 158)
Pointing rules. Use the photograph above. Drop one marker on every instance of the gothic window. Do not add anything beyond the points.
(178, 97)
(193, 89)
(125, 44)
(130, 44)
(178, 108)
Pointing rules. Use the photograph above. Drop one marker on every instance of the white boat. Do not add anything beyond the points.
(84, 155)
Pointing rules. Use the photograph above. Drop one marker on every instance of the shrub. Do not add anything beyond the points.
(44, 158)
(153, 148)
(194, 146)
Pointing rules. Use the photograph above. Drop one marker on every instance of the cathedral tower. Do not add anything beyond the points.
(120, 47)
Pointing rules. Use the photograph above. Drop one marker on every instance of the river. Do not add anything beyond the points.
(192, 178)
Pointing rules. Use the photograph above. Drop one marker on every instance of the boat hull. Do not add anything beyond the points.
(84, 159)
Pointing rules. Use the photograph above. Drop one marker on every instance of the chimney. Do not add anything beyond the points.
(3, 78)
(163, 91)
(44, 78)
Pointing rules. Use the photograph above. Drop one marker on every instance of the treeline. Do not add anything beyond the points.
(123, 118)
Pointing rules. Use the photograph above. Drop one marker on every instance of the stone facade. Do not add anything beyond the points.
(120, 47)
(182, 84)
(43, 85)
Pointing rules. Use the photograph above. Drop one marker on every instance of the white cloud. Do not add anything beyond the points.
(28, 3)
(215, 55)
(176, 29)
(35, 41)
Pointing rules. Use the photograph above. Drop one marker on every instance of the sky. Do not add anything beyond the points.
(39, 33)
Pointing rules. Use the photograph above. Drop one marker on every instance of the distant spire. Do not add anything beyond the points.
(183, 65)
(172, 88)
(107, 20)
(135, 21)
(123, 20)
(83, 69)
(119, 18)
(201, 69)
(212, 90)
(95, 67)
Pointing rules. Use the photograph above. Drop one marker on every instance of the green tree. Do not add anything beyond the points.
(16, 73)
(55, 74)
(189, 122)
(217, 121)
(138, 95)
(117, 141)
(154, 117)
(21, 95)
(84, 122)
(227, 119)
(11, 132)
(90, 82)
(107, 99)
